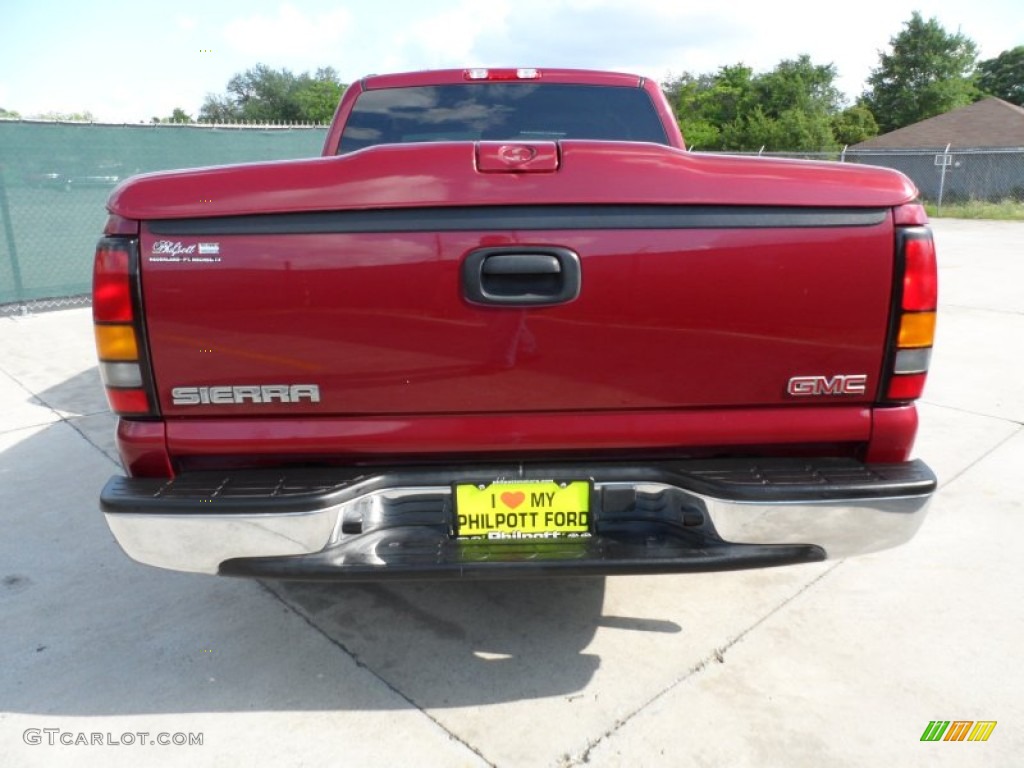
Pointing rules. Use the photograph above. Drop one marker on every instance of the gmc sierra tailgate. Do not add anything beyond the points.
(373, 303)
(459, 311)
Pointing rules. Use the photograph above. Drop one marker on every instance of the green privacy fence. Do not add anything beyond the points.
(55, 179)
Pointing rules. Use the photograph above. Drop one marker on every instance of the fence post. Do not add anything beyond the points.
(842, 155)
(5, 218)
(942, 177)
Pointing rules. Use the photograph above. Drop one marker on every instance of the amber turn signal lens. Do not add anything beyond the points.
(116, 342)
(917, 329)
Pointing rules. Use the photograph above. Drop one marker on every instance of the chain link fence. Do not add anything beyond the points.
(55, 179)
(943, 175)
(955, 175)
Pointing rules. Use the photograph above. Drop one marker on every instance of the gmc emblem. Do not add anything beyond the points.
(841, 384)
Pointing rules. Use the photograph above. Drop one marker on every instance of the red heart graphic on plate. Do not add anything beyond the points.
(513, 500)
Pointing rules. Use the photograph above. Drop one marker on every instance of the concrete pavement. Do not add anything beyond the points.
(839, 663)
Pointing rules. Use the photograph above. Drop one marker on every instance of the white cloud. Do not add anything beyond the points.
(603, 34)
(654, 38)
(659, 37)
(649, 39)
(289, 32)
(448, 38)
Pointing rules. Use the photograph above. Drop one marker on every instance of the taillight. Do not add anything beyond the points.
(914, 320)
(123, 365)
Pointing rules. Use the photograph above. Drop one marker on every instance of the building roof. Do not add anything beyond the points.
(990, 122)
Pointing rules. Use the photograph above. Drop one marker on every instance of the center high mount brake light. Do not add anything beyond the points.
(502, 74)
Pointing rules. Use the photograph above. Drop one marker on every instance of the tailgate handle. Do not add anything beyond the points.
(521, 264)
(521, 276)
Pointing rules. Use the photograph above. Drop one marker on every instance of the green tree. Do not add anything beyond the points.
(800, 98)
(700, 134)
(179, 115)
(854, 125)
(263, 94)
(802, 131)
(750, 132)
(318, 96)
(1003, 76)
(705, 103)
(219, 109)
(799, 84)
(9, 113)
(81, 117)
(928, 71)
(787, 108)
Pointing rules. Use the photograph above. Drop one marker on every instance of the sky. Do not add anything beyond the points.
(129, 61)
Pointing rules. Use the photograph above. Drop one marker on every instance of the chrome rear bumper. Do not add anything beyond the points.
(661, 517)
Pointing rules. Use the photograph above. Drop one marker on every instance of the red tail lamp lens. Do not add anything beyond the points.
(111, 290)
(907, 387)
(920, 280)
(128, 402)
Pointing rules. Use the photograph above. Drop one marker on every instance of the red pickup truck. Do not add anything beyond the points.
(507, 325)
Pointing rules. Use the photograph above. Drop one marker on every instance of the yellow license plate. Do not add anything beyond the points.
(516, 511)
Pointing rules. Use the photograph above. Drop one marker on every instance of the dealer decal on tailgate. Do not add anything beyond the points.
(531, 510)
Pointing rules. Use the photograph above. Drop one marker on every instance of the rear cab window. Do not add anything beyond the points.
(501, 112)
